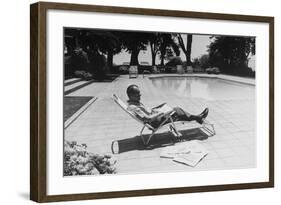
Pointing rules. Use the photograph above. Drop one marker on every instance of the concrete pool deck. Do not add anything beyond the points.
(233, 146)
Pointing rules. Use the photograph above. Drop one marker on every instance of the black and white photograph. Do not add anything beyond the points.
(134, 102)
(142, 102)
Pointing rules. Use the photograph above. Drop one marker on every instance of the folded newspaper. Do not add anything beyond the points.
(189, 153)
(164, 108)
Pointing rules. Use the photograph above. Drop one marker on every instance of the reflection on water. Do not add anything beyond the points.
(207, 88)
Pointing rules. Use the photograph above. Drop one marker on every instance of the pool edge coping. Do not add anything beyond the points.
(205, 76)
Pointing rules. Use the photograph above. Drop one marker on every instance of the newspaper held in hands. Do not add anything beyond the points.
(164, 108)
(189, 153)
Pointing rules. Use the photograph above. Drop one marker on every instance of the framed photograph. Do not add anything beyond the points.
(135, 102)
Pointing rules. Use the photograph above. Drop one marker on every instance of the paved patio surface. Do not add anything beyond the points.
(103, 122)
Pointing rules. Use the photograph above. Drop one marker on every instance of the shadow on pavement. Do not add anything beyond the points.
(157, 141)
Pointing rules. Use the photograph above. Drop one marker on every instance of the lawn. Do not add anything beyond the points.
(72, 105)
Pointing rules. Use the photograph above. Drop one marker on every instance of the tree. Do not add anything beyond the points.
(97, 44)
(134, 42)
(154, 42)
(114, 47)
(103, 42)
(186, 48)
(204, 61)
(167, 46)
(231, 54)
(161, 43)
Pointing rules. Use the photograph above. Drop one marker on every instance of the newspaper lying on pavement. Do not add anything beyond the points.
(189, 153)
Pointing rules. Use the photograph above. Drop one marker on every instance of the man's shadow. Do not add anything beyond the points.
(157, 141)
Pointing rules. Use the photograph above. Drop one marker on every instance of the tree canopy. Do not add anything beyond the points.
(231, 53)
(160, 43)
(134, 42)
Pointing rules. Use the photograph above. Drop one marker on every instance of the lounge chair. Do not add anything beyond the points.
(189, 69)
(124, 106)
(145, 72)
(133, 72)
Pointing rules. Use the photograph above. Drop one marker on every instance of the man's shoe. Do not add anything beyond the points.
(203, 115)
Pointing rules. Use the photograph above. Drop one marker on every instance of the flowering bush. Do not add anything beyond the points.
(77, 161)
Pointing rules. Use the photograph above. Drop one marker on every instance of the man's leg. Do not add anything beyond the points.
(172, 127)
(182, 115)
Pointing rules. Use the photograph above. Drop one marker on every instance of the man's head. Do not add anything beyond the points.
(133, 93)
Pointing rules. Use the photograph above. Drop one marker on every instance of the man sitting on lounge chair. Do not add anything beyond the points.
(153, 117)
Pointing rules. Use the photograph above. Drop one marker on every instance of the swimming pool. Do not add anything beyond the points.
(203, 87)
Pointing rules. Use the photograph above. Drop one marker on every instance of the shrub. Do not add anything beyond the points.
(204, 61)
(175, 61)
(78, 161)
(83, 74)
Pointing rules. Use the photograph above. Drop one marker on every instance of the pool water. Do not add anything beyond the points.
(206, 88)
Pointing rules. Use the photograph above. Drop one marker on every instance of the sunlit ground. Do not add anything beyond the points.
(232, 111)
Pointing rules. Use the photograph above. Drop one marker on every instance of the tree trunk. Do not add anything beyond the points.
(162, 60)
(153, 53)
(247, 63)
(162, 56)
(188, 49)
(134, 57)
(110, 61)
(153, 56)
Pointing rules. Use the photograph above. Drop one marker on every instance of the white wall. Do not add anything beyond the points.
(14, 157)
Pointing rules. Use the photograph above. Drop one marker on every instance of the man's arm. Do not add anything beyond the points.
(146, 117)
(152, 117)
(158, 106)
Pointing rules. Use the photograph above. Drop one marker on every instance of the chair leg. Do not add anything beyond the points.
(150, 136)
(211, 130)
(155, 130)
(142, 135)
(175, 128)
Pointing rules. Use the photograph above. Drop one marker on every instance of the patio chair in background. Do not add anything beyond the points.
(124, 106)
(145, 72)
(180, 69)
(189, 69)
(155, 69)
(133, 71)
